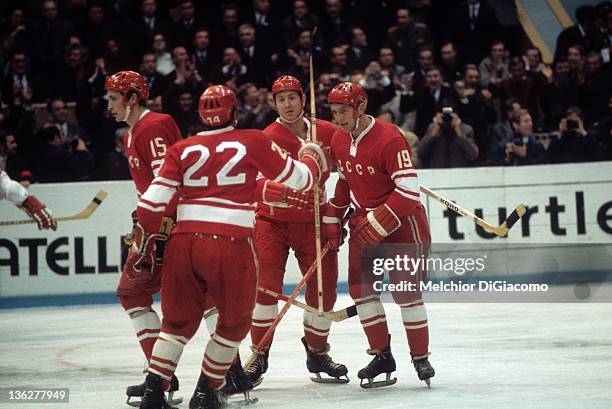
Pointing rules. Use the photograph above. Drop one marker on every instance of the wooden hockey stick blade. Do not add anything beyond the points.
(336, 316)
(513, 218)
(83, 214)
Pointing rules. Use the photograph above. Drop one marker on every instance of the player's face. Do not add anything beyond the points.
(289, 105)
(115, 105)
(344, 116)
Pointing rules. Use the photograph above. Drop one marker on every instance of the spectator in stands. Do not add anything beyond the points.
(406, 38)
(425, 60)
(256, 56)
(300, 18)
(588, 33)
(358, 54)
(149, 23)
(233, 73)
(501, 133)
(254, 111)
(596, 90)
(449, 143)
(524, 149)
(59, 116)
(226, 34)
(494, 68)
(377, 84)
(184, 28)
(204, 56)
(386, 60)
(475, 110)
(575, 58)
(474, 27)
(50, 36)
(339, 63)
(452, 69)
(525, 89)
(115, 165)
(186, 115)
(18, 86)
(575, 144)
(533, 60)
(76, 73)
(18, 34)
(95, 30)
(10, 161)
(334, 26)
(163, 58)
(267, 26)
(62, 162)
(426, 100)
(155, 81)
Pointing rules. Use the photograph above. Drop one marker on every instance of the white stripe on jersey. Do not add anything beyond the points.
(214, 214)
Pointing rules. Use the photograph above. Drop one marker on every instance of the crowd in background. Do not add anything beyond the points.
(460, 78)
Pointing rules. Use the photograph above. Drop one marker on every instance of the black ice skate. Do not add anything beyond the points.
(153, 397)
(383, 362)
(322, 362)
(138, 391)
(423, 368)
(206, 398)
(258, 368)
(237, 381)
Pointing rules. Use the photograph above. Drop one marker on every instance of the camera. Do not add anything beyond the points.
(572, 125)
(447, 115)
(518, 140)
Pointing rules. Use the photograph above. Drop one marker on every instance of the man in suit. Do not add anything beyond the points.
(300, 18)
(267, 26)
(256, 57)
(149, 23)
(59, 116)
(475, 27)
(154, 80)
(426, 100)
(184, 29)
(333, 24)
(359, 55)
(202, 52)
(406, 38)
(586, 33)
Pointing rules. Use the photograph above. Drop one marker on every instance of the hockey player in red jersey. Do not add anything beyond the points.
(376, 175)
(19, 196)
(146, 143)
(289, 224)
(213, 174)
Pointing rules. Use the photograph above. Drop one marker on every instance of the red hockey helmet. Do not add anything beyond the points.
(217, 104)
(348, 93)
(125, 81)
(287, 83)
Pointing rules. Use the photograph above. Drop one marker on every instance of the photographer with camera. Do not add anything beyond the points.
(524, 149)
(574, 143)
(448, 143)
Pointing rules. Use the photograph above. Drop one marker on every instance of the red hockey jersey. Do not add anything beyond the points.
(146, 144)
(215, 176)
(377, 168)
(291, 144)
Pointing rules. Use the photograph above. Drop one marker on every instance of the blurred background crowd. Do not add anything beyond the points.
(460, 78)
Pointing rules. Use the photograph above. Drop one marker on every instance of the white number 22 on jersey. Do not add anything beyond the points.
(222, 176)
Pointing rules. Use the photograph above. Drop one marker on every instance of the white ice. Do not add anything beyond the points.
(485, 356)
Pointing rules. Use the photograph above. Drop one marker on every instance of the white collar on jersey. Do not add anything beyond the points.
(217, 131)
(363, 133)
(308, 126)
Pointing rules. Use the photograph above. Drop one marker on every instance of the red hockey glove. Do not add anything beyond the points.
(378, 224)
(316, 158)
(275, 194)
(332, 224)
(37, 211)
(144, 250)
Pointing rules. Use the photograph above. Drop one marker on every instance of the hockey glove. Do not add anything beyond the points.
(143, 249)
(275, 194)
(316, 158)
(332, 224)
(378, 224)
(37, 211)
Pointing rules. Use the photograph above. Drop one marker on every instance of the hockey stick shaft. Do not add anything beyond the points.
(270, 332)
(317, 207)
(83, 214)
(501, 230)
(336, 316)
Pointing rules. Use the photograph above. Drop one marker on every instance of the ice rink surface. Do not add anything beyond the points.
(485, 356)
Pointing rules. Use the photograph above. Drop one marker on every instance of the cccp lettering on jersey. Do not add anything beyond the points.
(356, 167)
(134, 162)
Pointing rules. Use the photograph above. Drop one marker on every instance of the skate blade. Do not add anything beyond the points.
(370, 384)
(169, 402)
(427, 382)
(241, 403)
(319, 379)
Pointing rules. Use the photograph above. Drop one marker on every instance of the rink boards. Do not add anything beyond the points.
(569, 211)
